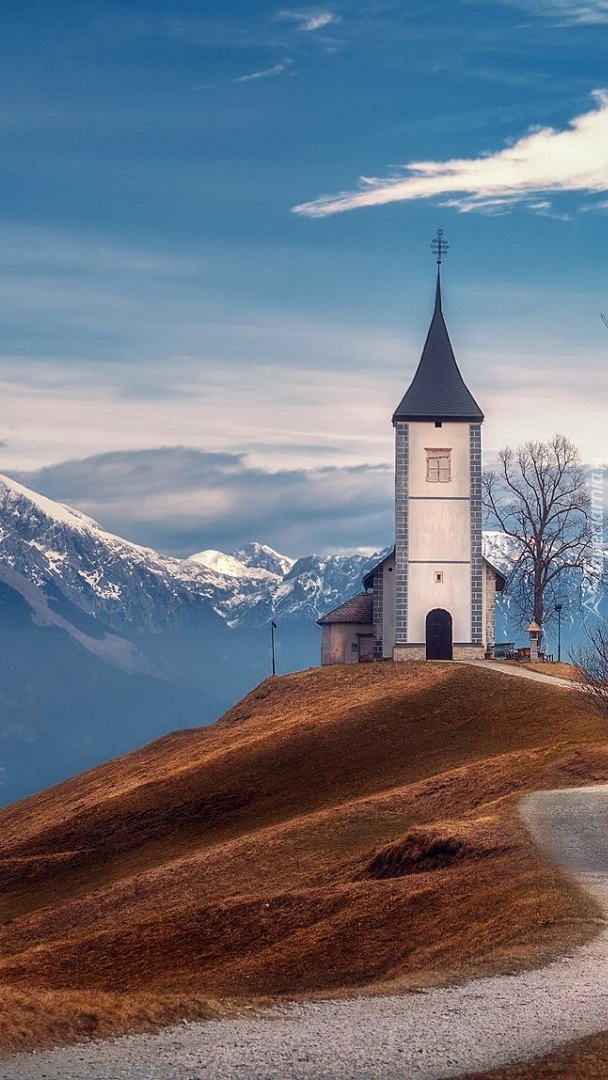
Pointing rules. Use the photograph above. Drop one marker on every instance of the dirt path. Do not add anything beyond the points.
(440, 1033)
(520, 672)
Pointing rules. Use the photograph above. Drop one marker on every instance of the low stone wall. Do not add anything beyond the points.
(409, 652)
(418, 652)
(468, 652)
(489, 600)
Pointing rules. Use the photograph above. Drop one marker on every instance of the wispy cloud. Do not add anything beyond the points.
(264, 73)
(542, 161)
(567, 11)
(596, 207)
(179, 499)
(309, 21)
(184, 359)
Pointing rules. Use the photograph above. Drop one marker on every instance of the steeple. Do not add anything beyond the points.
(438, 390)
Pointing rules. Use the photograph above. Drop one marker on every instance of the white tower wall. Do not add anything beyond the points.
(438, 536)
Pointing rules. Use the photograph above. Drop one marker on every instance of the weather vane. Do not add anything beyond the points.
(439, 246)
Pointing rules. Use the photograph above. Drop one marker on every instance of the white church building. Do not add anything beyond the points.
(433, 597)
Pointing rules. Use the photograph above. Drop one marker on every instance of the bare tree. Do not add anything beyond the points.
(591, 661)
(538, 496)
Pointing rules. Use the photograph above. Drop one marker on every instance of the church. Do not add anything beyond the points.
(434, 596)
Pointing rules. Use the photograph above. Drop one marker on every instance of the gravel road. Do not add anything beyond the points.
(433, 1034)
(520, 672)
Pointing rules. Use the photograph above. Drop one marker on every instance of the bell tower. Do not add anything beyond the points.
(438, 572)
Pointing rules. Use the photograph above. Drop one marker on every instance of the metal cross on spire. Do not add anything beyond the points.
(439, 246)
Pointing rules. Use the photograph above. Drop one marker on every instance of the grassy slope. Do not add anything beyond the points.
(586, 1059)
(342, 828)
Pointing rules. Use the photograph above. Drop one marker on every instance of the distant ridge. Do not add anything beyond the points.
(124, 583)
(75, 597)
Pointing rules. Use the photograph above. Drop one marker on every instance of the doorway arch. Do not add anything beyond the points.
(439, 635)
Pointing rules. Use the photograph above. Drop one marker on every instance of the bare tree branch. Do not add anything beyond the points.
(591, 661)
(539, 497)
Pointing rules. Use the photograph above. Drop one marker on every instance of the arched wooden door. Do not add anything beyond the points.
(439, 635)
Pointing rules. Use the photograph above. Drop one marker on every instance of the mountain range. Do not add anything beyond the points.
(108, 643)
(72, 558)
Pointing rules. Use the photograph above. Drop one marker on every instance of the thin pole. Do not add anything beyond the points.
(559, 636)
(273, 627)
(558, 608)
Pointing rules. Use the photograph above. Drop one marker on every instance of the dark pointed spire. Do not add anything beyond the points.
(438, 390)
(438, 293)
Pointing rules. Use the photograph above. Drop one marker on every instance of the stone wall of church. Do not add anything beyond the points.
(388, 608)
(459, 652)
(410, 652)
(468, 652)
(401, 530)
(378, 606)
(489, 605)
(477, 565)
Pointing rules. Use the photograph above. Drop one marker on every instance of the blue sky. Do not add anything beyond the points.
(208, 315)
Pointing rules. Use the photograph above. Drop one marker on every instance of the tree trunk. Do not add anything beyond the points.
(538, 595)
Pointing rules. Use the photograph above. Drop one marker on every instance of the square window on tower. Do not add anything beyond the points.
(438, 465)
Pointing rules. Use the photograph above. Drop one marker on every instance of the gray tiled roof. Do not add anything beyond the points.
(359, 609)
(368, 580)
(501, 581)
(438, 390)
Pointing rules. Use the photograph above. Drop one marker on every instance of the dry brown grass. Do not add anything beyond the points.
(341, 829)
(586, 1059)
(559, 670)
(46, 1018)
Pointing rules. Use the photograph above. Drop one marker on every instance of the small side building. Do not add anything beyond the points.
(348, 632)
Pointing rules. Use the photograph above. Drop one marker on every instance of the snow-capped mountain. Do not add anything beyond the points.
(107, 644)
(500, 550)
(262, 557)
(132, 590)
(230, 566)
(119, 582)
(131, 587)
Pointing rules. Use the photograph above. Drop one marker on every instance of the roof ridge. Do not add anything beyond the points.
(357, 609)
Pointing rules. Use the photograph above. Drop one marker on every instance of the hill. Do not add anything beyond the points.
(109, 644)
(157, 637)
(339, 830)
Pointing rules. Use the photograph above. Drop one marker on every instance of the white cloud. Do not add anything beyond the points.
(309, 21)
(182, 360)
(567, 11)
(289, 414)
(264, 73)
(542, 161)
(179, 499)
